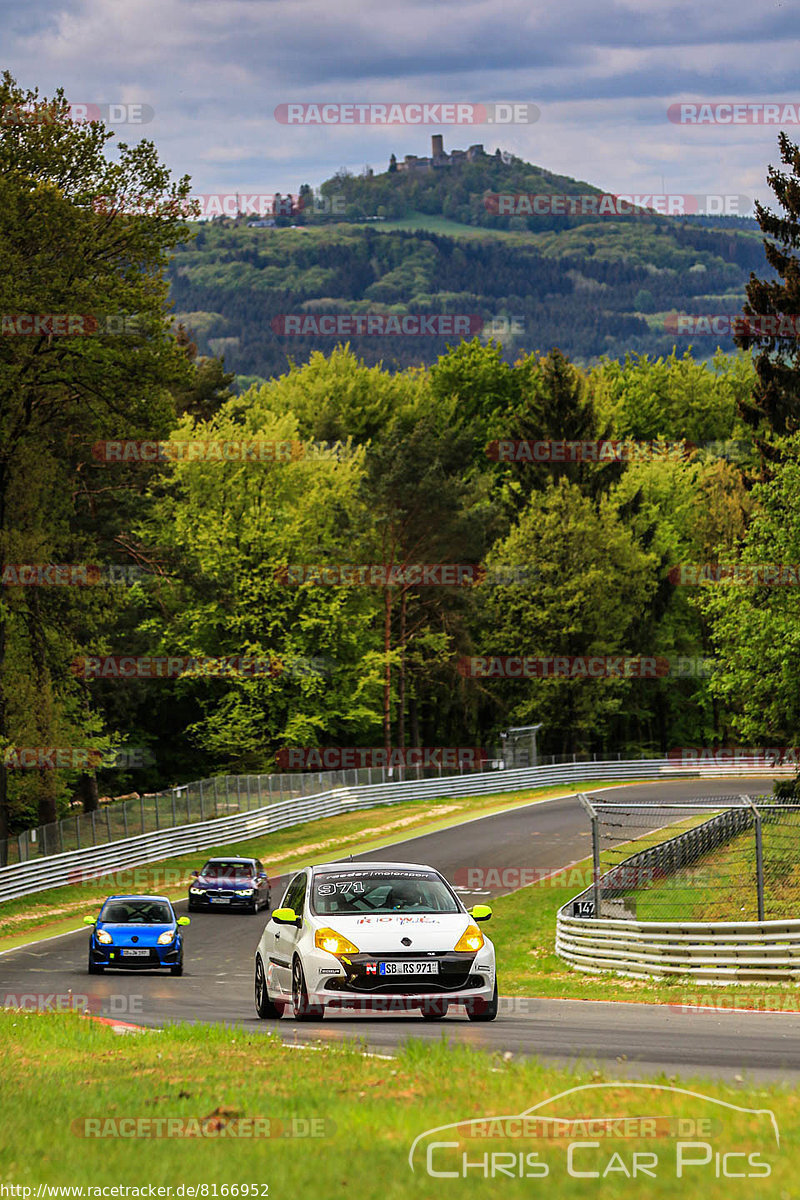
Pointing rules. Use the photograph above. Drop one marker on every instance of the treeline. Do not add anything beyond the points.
(115, 553)
(594, 292)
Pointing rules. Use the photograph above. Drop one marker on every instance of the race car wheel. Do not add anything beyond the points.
(177, 969)
(93, 967)
(303, 1011)
(483, 1010)
(265, 1007)
(435, 1010)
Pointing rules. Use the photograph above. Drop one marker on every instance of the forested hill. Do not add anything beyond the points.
(600, 288)
(435, 242)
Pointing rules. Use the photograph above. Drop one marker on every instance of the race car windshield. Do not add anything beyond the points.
(351, 893)
(227, 870)
(136, 912)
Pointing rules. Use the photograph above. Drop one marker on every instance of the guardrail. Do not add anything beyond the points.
(711, 952)
(56, 870)
(707, 951)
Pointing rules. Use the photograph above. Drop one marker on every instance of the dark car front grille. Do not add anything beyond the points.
(454, 975)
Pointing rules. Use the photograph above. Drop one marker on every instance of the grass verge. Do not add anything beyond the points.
(722, 885)
(60, 1072)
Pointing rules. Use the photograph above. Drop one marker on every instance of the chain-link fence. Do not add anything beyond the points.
(201, 800)
(225, 795)
(733, 858)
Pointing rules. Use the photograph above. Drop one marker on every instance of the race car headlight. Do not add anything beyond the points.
(471, 939)
(245, 891)
(104, 937)
(193, 891)
(164, 939)
(333, 942)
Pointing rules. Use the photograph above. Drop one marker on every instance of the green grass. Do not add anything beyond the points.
(61, 909)
(60, 1071)
(722, 885)
(432, 223)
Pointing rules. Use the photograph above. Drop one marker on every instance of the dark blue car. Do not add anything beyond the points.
(230, 883)
(136, 933)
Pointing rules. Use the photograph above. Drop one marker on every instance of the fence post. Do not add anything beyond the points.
(202, 810)
(591, 810)
(108, 821)
(141, 809)
(759, 857)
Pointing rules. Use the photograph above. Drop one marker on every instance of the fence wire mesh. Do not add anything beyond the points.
(200, 800)
(733, 858)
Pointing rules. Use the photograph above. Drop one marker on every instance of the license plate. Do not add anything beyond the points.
(220, 899)
(412, 967)
(135, 953)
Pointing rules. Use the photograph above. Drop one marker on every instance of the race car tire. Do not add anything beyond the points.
(303, 1010)
(267, 1009)
(483, 1010)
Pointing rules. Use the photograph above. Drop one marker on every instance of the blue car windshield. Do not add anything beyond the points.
(136, 912)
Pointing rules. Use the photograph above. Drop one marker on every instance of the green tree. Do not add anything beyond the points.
(71, 245)
(773, 409)
(584, 586)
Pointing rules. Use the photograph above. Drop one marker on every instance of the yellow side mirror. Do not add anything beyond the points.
(184, 920)
(90, 920)
(481, 912)
(285, 916)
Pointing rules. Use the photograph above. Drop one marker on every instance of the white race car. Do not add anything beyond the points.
(374, 936)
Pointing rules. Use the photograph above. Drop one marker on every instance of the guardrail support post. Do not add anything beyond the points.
(592, 811)
(759, 857)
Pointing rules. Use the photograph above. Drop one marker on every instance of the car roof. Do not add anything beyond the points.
(230, 858)
(372, 865)
(161, 899)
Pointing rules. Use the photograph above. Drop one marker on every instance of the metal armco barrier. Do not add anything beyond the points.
(56, 870)
(714, 952)
(708, 951)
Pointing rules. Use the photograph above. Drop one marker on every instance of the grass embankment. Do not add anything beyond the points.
(721, 886)
(60, 1072)
(59, 910)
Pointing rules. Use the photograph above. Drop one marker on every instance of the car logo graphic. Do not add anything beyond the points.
(372, 968)
(406, 941)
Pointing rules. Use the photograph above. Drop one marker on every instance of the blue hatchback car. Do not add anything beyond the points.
(136, 933)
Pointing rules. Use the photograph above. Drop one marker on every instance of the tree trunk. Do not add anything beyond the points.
(387, 682)
(401, 684)
(87, 791)
(413, 718)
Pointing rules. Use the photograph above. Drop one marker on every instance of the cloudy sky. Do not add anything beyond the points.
(603, 76)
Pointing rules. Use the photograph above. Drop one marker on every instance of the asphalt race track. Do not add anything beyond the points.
(627, 1039)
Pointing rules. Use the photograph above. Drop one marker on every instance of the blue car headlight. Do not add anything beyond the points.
(103, 937)
(164, 939)
(245, 891)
